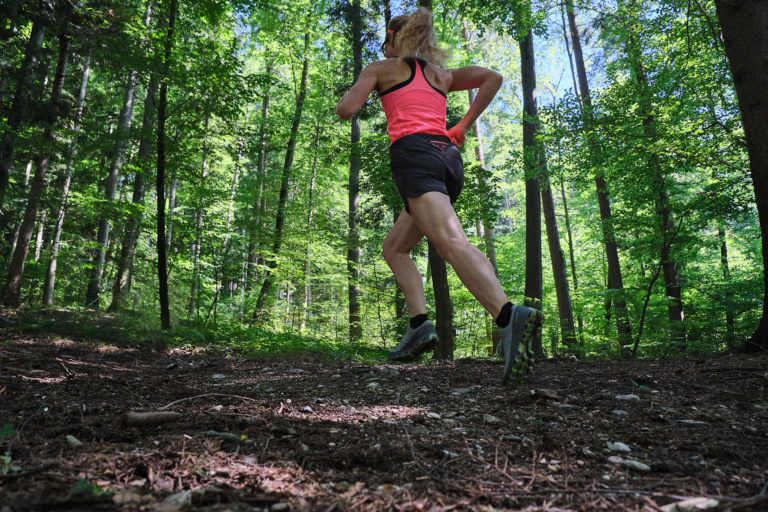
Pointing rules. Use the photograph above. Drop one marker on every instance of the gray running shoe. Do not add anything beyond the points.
(516, 339)
(414, 343)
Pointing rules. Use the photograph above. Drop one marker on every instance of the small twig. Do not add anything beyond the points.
(202, 396)
(30, 471)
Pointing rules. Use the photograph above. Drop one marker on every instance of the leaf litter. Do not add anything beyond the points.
(306, 434)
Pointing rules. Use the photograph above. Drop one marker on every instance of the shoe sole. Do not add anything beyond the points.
(524, 362)
(417, 351)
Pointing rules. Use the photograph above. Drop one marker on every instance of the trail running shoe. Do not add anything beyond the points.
(414, 343)
(517, 339)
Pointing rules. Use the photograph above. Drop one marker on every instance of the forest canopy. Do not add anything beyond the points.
(195, 142)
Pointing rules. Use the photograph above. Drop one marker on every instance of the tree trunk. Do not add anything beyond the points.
(443, 305)
(579, 320)
(162, 261)
(110, 185)
(745, 38)
(259, 204)
(12, 288)
(353, 220)
(199, 221)
(261, 303)
(536, 173)
(124, 121)
(533, 270)
(171, 208)
(616, 283)
(730, 322)
(492, 335)
(20, 100)
(307, 303)
(663, 209)
(50, 276)
(122, 283)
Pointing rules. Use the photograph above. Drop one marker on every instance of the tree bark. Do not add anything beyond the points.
(616, 283)
(533, 268)
(162, 261)
(122, 283)
(730, 321)
(666, 221)
(536, 174)
(492, 335)
(199, 221)
(20, 100)
(259, 203)
(124, 121)
(110, 187)
(443, 305)
(50, 276)
(307, 302)
(353, 219)
(569, 232)
(259, 313)
(745, 38)
(11, 292)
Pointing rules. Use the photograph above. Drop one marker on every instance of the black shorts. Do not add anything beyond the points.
(422, 163)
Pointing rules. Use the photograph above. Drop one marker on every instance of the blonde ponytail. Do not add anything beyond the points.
(414, 37)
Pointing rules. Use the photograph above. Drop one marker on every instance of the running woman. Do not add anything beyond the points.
(428, 171)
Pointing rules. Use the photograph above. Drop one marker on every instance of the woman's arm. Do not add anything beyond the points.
(353, 101)
(487, 82)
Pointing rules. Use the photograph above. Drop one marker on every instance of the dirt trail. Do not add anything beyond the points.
(305, 434)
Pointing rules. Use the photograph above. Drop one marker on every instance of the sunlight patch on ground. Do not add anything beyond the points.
(45, 380)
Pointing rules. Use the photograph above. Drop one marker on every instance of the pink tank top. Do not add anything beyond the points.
(415, 105)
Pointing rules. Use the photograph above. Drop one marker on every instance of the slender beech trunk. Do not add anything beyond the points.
(223, 252)
(260, 312)
(259, 204)
(536, 175)
(533, 270)
(110, 187)
(579, 320)
(199, 221)
(666, 221)
(306, 279)
(11, 292)
(171, 208)
(50, 276)
(615, 281)
(492, 334)
(162, 260)
(401, 319)
(353, 219)
(20, 100)
(39, 237)
(122, 284)
(746, 45)
(730, 323)
(443, 304)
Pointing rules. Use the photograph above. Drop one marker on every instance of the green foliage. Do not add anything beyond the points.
(237, 64)
(83, 486)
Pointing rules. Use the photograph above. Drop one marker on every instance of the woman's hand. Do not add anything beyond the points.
(457, 134)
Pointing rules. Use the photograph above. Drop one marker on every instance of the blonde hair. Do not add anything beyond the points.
(414, 37)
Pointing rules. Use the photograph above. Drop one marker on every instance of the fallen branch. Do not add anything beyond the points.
(30, 471)
(202, 396)
(143, 419)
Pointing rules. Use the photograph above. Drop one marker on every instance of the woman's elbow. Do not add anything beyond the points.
(344, 111)
(496, 79)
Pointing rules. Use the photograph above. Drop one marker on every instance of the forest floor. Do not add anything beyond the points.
(302, 433)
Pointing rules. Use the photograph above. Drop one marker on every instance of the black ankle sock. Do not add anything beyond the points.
(505, 315)
(418, 320)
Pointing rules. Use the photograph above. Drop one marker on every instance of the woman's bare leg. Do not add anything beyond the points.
(433, 216)
(397, 252)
